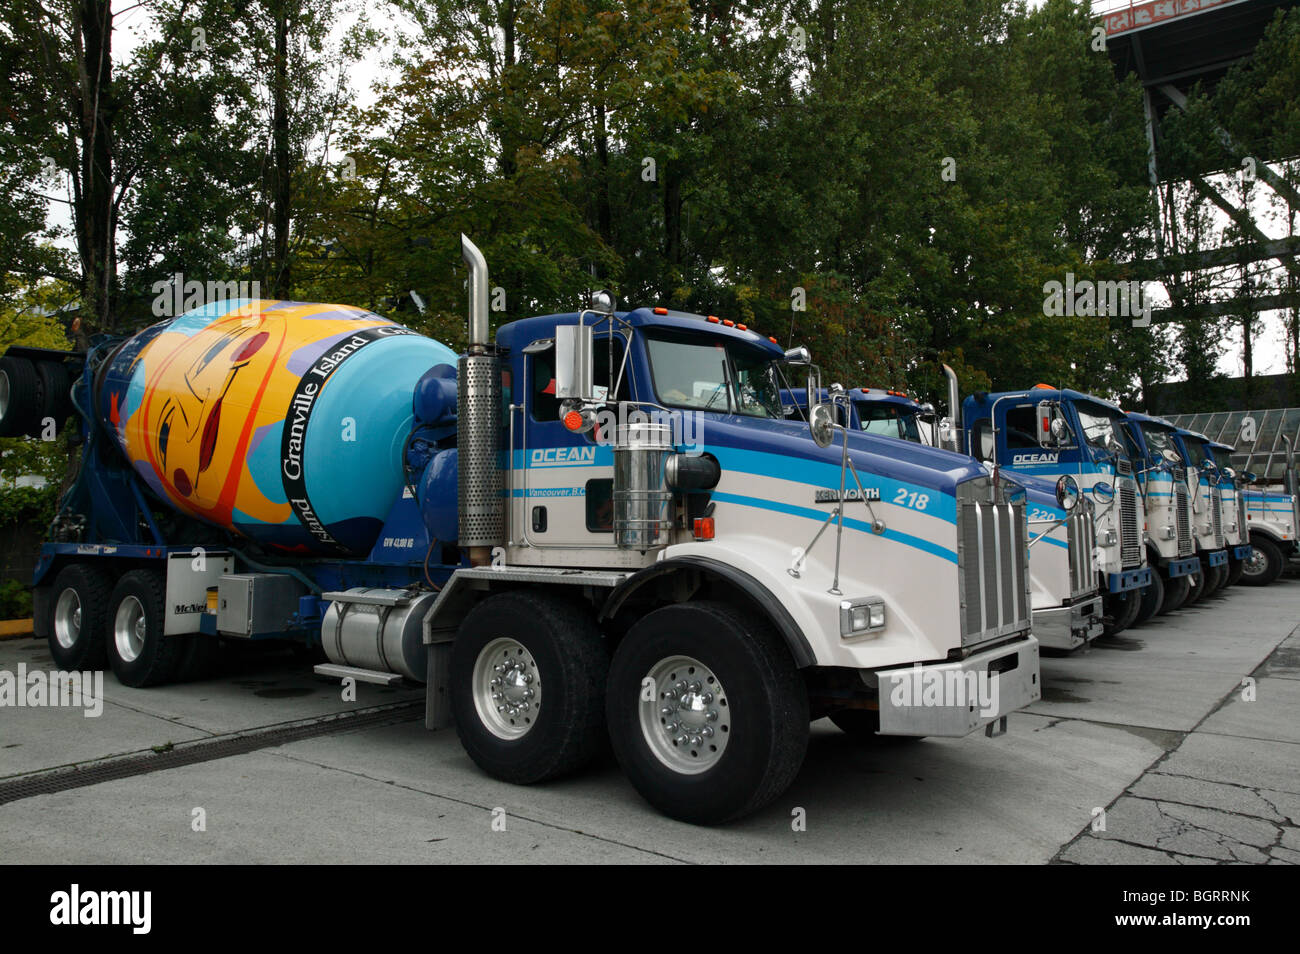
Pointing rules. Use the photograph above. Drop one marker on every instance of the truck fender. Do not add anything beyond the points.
(770, 606)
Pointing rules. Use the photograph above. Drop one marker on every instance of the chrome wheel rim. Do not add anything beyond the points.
(686, 722)
(67, 618)
(507, 688)
(1256, 563)
(129, 629)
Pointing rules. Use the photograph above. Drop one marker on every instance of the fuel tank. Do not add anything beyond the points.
(283, 421)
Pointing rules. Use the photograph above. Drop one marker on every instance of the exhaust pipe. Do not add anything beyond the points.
(480, 500)
(954, 409)
(478, 294)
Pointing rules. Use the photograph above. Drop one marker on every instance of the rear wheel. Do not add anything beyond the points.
(1264, 564)
(137, 649)
(528, 674)
(56, 403)
(708, 715)
(1153, 598)
(1176, 590)
(21, 397)
(78, 604)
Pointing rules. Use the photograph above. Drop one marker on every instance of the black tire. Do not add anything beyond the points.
(568, 659)
(1265, 566)
(1235, 569)
(138, 652)
(56, 384)
(1153, 597)
(862, 725)
(1176, 590)
(78, 605)
(21, 397)
(1120, 611)
(1197, 582)
(1218, 577)
(758, 688)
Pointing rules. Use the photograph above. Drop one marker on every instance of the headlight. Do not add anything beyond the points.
(860, 617)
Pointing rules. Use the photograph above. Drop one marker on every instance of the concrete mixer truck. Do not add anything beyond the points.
(594, 529)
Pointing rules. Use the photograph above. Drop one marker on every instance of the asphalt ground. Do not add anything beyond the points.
(1174, 743)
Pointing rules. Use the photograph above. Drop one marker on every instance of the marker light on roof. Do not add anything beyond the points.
(661, 311)
(713, 319)
(741, 328)
(728, 322)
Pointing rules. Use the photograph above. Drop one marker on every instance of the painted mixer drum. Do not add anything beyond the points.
(284, 421)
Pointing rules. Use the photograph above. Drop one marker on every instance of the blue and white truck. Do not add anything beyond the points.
(1209, 530)
(1162, 476)
(1059, 433)
(594, 527)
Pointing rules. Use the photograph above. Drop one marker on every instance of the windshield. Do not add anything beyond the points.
(889, 420)
(1158, 440)
(1099, 428)
(695, 371)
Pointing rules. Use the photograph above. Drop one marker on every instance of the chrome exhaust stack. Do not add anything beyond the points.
(955, 435)
(480, 501)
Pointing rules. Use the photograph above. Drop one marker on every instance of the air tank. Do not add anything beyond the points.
(283, 421)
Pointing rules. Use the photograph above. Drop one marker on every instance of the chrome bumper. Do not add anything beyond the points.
(953, 699)
(1069, 627)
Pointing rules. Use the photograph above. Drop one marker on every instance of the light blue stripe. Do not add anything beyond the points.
(808, 513)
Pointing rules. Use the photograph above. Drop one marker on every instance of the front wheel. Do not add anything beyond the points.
(707, 713)
(1176, 590)
(1218, 579)
(1265, 563)
(1153, 597)
(1235, 569)
(528, 675)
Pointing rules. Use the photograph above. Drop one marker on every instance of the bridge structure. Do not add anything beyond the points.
(1171, 46)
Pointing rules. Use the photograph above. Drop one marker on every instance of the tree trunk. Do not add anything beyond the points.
(93, 216)
(281, 184)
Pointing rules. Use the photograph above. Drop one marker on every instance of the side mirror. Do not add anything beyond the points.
(574, 368)
(1067, 492)
(1229, 473)
(799, 355)
(1212, 471)
(1250, 476)
(821, 423)
(1171, 456)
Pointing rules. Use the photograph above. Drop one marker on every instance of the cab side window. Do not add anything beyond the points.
(1021, 427)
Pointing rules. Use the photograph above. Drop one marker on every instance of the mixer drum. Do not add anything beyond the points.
(283, 421)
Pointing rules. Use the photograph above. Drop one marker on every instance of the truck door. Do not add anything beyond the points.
(562, 487)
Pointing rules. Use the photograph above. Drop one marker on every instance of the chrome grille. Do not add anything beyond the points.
(1082, 540)
(992, 564)
(1182, 521)
(1130, 537)
(1216, 518)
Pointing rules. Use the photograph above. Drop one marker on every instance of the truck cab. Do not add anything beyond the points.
(1209, 528)
(1236, 528)
(1067, 610)
(1162, 477)
(1055, 434)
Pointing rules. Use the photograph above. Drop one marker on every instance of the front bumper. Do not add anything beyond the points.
(1188, 566)
(1242, 552)
(1216, 557)
(1068, 627)
(1128, 580)
(953, 699)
